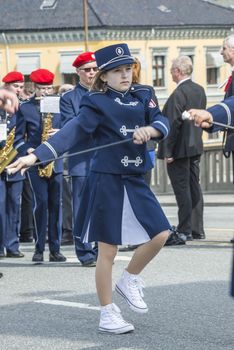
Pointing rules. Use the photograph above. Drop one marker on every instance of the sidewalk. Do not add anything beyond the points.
(217, 233)
(218, 199)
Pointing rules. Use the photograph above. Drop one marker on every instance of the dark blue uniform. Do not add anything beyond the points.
(224, 113)
(47, 192)
(229, 134)
(118, 206)
(11, 189)
(78, 166)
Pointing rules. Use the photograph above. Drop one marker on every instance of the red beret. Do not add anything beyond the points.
(12, 77)
(42, 76)
(83, 58)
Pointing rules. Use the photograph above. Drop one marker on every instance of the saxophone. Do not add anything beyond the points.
(7, 153)
(47, 170)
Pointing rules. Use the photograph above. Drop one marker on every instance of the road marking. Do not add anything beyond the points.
(70, 260)
(67, 303)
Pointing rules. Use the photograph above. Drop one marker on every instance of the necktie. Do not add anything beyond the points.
(228, 83)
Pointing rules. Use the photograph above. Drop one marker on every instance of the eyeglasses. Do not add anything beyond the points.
(87, 70)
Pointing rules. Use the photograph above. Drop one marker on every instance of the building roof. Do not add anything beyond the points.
(27, 15)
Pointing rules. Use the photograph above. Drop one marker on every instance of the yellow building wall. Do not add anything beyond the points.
(50, 54)
(50, 59)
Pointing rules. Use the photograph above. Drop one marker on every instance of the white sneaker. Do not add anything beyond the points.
(111, 321)
(130, 287)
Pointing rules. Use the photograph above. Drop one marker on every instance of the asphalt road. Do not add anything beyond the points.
(54, 306)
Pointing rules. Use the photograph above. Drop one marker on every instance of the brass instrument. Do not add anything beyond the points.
(7, 153)
(47, 170)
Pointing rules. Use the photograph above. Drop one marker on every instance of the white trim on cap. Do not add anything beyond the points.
(116, 59)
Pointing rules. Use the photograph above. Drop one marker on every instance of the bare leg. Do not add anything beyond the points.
(146, 252)
(106, 255)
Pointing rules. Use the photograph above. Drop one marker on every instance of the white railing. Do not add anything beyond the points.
(216, 173)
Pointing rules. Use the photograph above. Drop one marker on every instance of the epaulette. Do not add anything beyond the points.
(140, 87)
(66, 92)
(91, 93)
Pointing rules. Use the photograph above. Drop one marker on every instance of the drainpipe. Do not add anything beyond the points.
(7, 51)
(85, 20)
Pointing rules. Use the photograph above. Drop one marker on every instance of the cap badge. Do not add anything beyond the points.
(119, 51)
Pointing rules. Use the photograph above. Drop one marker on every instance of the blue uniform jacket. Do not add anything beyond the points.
(11, 122)
(113, 116)
(223, 112)
(29, 126)
(69, 109)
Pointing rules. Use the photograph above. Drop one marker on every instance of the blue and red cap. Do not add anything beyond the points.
(112, 56)
(84, 58)
(42, 76)
(12, 77)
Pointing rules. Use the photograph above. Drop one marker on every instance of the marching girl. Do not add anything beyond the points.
(118, 206)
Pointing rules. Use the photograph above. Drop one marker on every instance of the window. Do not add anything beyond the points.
(187, 51)
(68, 72)
(158, 70)
(28, 62)
(213, 63)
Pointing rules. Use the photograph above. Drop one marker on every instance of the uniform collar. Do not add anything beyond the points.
(82, 87)
(114, 92)
(34, 99)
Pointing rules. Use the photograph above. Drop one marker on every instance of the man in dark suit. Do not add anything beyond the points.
(183, 148)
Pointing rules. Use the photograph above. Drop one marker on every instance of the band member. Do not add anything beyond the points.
(227, 51)
(78, 166)
(26, 225)
(9, 103)
(221, 113)
(11, 185)
(118, 206)
(32, 128)
(14, 82)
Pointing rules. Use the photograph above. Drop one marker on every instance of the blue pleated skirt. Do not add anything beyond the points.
(119, 209)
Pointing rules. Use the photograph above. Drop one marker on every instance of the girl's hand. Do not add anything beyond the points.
(144, 134)
(22, 163)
